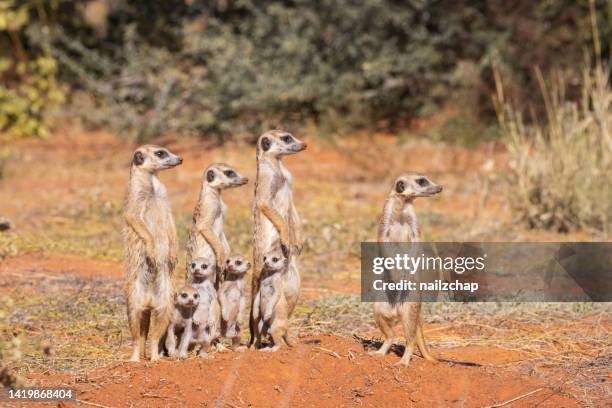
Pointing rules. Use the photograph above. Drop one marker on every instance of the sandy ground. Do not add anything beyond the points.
(65, 196)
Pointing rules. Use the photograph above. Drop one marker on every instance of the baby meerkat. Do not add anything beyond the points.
(206, 236)
(270, 306)
(201, 273)
(399, 224)
(181, 324)
(151, 248)
(232, 298)
(275, 217)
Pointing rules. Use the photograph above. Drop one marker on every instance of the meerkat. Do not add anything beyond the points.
(186, 301)
(276, 220)
(232, 298)
(201, 273)
(206, 236)
(270, 309)
(399, 224)
(151, 247)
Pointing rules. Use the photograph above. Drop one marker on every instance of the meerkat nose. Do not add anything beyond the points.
(180, 160)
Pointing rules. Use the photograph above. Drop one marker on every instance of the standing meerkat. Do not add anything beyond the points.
(181, 323)
(232, 298)
(201, 273)
(270, 306)
(275, 218)
(399, 224)
(151, 248)
(206, 236)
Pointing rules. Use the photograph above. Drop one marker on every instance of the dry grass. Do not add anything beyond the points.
(561, 164)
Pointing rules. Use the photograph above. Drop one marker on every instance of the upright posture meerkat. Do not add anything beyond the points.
(270, 305)
(206, 318)
(276, 220)
(206, 237)
(151, 248)
(181, 323)
(399, 224)
(232, 298)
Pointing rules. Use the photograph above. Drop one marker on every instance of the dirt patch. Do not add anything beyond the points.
(333, 372)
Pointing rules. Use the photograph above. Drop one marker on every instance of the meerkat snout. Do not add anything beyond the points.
(412, 185)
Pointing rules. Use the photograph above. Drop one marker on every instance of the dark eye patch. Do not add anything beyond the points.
(193, 265)
(422, 181)
(138, 158)
(161, 154)
(204, 266)
(230, 173)
(275, 259)
(210, 175)
(196, 296)
(184, 295)
(238, 263)
(400, 186)
(287, 138)
(266, 144)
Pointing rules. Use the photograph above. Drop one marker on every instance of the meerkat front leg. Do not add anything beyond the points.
(171, 340)
(385, 326)
(183, 350)
(277, 220)
(160, 319)
(140, 228)
(297, 231)
(173, 247)
(215, 243)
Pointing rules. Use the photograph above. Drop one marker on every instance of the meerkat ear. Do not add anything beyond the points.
(138, 158)
(210, 175)
(265, 144)
(400, 186)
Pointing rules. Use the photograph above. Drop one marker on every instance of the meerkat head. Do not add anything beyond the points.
(201, 268)
(187, 297)
(222, 176)
(276, 143)
(152, 158)
(412, 185)
(237, 265)
(274, 261)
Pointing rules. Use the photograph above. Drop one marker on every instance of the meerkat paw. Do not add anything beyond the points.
(240, 349)
(270, 349)
(155, 358)
(183, 356)
(377, 353)
(221, 348)
(403, 363)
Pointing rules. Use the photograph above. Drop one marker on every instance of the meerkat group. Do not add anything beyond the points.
(212, 303)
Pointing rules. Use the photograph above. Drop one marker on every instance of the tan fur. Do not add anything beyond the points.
(232, 298)
(398, 223)
(276, 220)
(206, 235)
(186, 301)
(270, 308)
(151, 248)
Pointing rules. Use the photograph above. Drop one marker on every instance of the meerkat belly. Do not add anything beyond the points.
(291, 287)
(270, 234)
(157, 219)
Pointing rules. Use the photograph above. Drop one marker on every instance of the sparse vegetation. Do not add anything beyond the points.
(561, 168)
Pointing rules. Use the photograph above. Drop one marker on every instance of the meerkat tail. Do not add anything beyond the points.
(420, 339)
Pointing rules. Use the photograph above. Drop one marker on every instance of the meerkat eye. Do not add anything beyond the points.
(227, 262)
(193, 265)
(265, 258)
(275, 259)
(287, 138)
(184, 295)
(422, 181)
(196, 296)
(238, 263)
(230, 173)
(161, 154)
(204, 266)
(400, 186)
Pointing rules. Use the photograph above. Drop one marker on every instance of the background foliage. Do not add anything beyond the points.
(230, 66)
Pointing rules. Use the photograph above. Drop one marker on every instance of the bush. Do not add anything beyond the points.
(561, 170)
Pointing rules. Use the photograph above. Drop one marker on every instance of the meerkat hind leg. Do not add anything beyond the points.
(387, 330)
(159, 324)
